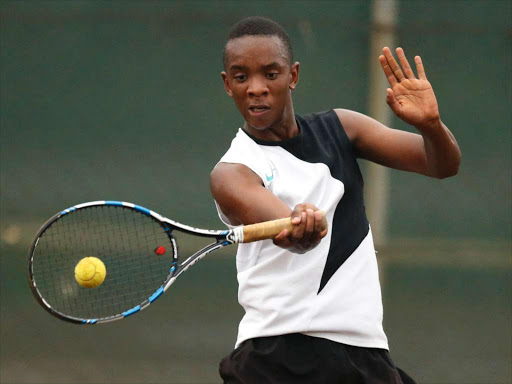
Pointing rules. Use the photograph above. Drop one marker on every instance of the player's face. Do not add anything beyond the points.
(260, 79)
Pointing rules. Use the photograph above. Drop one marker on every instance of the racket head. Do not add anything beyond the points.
(137, 247)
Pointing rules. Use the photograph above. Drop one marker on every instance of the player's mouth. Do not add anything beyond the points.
(258, 109)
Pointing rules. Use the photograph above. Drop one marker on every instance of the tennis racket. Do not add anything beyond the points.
(138, 248)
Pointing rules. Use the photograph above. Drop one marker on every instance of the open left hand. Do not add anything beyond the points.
(411, 99)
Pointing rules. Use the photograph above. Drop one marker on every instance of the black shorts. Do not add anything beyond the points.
(297, 359)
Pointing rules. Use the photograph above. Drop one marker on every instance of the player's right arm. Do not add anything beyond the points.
(243, 199)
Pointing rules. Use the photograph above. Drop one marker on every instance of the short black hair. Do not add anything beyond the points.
(259, 26)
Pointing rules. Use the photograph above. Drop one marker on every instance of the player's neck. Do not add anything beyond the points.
(283, 129)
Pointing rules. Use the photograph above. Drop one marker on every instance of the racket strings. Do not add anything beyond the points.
(123, 239)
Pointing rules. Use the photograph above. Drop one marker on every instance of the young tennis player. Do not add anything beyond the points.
(312, 299)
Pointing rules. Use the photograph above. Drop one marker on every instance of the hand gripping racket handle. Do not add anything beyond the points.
(269, 229)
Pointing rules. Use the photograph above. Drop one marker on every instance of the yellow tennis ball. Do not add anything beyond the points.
(90, 272)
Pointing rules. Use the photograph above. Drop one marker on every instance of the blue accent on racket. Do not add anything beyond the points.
(131, 311)
(156, 295)
(142, 209)
(115, 203)
(67, 210)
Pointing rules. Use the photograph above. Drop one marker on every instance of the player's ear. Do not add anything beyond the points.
(226, 83)
(294, 75)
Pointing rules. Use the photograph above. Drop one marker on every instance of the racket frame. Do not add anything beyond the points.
(222, 238)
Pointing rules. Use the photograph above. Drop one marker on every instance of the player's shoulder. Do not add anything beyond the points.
(351, 121)
(241, 144)
(244, 160)
(316, 117)
(224, 173)
(328, 123)
(355, 124)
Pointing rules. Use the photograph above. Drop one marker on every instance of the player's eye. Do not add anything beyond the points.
(272, 75)
(240, 78)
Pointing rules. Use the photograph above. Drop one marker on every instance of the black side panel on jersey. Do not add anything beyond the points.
(322, 139)
(325, 141)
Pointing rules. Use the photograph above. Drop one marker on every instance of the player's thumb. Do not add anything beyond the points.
(282, 239)
(392, 101)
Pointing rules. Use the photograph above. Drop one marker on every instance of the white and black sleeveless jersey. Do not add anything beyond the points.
(332, 291)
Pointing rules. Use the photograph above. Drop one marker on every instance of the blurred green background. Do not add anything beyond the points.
(123, 100)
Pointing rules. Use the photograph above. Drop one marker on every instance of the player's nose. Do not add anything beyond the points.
(257, 87)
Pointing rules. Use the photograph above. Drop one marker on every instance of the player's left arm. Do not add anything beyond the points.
(433, 152)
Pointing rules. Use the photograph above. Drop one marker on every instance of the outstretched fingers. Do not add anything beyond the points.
(387, 71)
(419, 68)
(401, 70)
(393, 65)
(404, 63)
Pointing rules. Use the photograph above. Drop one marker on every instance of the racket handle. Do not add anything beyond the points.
(266, 230)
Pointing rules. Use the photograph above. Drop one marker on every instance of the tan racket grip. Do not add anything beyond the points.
(270, 229)
(266, 230)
